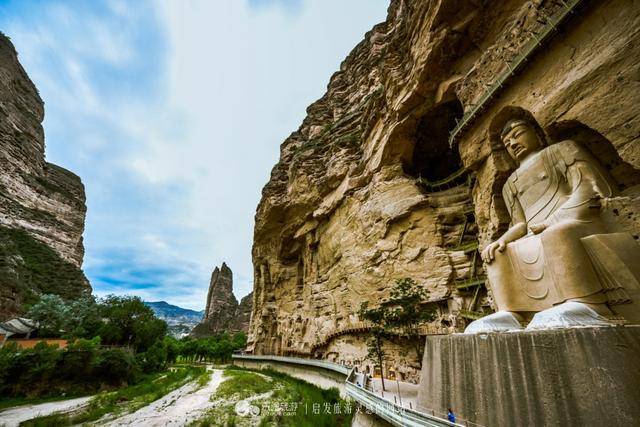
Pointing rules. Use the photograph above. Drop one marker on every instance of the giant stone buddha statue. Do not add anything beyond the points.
(557, 257)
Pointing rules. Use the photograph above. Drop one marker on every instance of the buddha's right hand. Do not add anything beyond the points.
(489, 253)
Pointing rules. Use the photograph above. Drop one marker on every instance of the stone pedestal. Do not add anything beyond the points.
(579, 376)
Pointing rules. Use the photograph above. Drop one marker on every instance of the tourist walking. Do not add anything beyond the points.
(451, 416)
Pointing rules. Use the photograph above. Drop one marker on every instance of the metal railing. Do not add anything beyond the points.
(349, 328)
(514, 65)
(391, 412)
(472, 315)
(456, 179)
(358, 327)
(464, 284)
(466, 246)
(375, 404)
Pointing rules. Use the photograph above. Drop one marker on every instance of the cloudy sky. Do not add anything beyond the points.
(172, 113)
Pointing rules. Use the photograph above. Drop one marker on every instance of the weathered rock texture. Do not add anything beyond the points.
(243, 314)
(578, 377)
(344, 213)
(222, 312)
(42, 206)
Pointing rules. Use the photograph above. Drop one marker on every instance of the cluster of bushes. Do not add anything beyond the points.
(217, 349)
(82, 367)
(112, 342)
(118, 321)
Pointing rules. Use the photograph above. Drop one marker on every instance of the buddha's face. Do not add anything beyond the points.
(521, 141)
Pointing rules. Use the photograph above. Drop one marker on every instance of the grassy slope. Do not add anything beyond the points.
(298, 397)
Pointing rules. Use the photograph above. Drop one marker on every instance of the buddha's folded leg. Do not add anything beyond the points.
(569, 263)
(519, 278)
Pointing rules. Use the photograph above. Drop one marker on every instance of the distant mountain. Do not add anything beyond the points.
(180, 320)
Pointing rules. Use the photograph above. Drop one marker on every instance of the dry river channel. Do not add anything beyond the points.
(177, 408)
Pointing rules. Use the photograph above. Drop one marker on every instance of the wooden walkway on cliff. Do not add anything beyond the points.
(513, 66)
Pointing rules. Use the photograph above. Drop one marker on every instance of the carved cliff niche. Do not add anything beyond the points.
(621, 213)
(623, 174)
(433, 159)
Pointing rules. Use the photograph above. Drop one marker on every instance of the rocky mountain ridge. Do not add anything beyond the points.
(42, 206)
(164, 310)
(222, 311)
(181, 321)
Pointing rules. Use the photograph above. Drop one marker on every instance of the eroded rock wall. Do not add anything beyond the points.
(42, 206)
(243, 314)
(347, 212)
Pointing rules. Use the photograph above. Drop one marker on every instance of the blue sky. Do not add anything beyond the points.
(172, 113)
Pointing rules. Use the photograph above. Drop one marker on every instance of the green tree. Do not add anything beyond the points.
(56, 317)
(83, 318)
(128, 321)
(173, 348)
(406, 312)
(239, 341)
(42, 362)
(115, 366)
(154, 359)
(375, 344)
(78, 359)
(51, 314)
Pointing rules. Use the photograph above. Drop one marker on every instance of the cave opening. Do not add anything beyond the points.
(433, 159)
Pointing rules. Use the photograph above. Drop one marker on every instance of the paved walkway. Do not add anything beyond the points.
(14, 416)
(407, 396)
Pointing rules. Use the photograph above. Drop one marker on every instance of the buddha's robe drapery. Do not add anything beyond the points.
(558, 186)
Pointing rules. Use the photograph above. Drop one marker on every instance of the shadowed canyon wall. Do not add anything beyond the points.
(369, 189)
(42, 206)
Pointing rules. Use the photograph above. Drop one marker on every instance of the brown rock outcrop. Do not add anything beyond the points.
(366, 190)
(222, 312)
(243, 314)
(42, 206)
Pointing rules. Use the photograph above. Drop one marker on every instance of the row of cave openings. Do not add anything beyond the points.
(437, 167)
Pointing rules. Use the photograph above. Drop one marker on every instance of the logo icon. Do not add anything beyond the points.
(246, 409)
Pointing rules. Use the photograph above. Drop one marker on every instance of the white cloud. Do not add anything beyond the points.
(174, 151)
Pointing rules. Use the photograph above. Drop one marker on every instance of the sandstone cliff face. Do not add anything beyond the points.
(42, 206)
(357, 198)
(243, 314)
(222, 312)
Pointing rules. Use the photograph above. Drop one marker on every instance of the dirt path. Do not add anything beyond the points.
(178, 408)
(13, 417)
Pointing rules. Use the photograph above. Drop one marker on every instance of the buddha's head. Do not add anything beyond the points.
(521, 139)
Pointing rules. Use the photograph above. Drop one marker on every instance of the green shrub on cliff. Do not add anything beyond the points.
(29, 268)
